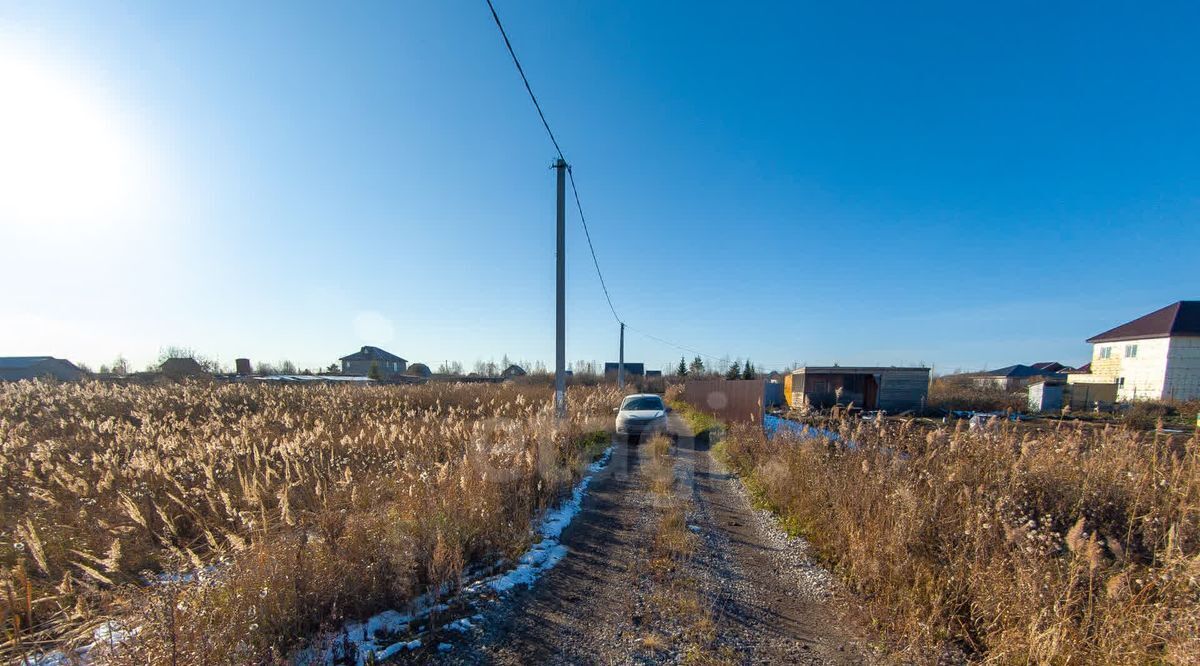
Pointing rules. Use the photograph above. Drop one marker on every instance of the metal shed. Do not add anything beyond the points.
(1046, 396)
(889, 388)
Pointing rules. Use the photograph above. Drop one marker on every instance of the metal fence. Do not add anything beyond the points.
(730, 400)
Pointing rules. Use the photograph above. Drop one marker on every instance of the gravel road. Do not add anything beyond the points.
(765, 600)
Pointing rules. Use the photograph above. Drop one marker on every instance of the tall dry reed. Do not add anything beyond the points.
(1067, 545)
(231, 522)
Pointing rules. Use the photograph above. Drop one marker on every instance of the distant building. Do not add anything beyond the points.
(179, 368)
(14, 368)
(1153, 357)
(359, 363)
(1013, 377)
(631, 369)
(889, 388)
(1052, 366)
(652, 374)
(513, 371)
(419, 370)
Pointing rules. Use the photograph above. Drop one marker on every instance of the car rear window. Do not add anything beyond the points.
(645, 402)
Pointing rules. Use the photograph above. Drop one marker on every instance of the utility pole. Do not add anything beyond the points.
(621, 360)
(560, 315)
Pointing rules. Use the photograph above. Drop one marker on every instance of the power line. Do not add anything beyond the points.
(524, 78)
(588, 235)
(571, 174)
(575, 191)
(675, 345)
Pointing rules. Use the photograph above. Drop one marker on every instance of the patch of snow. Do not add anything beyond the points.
(548, 552)
(107, 634)
(541, 557)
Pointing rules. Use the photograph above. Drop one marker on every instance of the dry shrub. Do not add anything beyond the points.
(1076, 545)
(1146, 414)
(960, 393)
(300, 506)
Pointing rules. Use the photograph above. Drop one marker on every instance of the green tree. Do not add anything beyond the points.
(373, 372)
(697, 366)
(748, 371)
(682, 370)
(734, 371)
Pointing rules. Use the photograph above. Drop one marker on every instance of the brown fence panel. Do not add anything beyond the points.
(731, 400)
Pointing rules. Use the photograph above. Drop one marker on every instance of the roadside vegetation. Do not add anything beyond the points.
(1072, 545)
(697, 421)
(229, 523)
(961, 393)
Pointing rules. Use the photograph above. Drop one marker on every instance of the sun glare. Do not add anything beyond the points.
(66, 157)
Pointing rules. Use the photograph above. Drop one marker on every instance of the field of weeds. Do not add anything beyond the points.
(298, 507)
(1073, 545)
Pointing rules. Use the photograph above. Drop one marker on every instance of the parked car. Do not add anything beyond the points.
(639, 415)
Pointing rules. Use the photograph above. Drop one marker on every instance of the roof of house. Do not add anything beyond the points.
(1178, 318)
(1017, 370)
(513, 371)
(1052, 366)
(16, 362)
(181, 365)
(373, 354)
(631, 368)
(853, 369)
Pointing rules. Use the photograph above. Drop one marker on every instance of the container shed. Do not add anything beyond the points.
(893, 389)
(1047, 396)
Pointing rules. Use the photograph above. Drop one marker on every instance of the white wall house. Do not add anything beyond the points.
(1153, 357)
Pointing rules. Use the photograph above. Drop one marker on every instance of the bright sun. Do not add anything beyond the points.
(66, 158)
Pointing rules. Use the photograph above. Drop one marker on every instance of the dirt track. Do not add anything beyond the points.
(766, 601)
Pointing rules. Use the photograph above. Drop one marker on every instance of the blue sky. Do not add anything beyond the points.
(945, 183)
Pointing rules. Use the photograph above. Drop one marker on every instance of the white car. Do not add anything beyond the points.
(641, 414)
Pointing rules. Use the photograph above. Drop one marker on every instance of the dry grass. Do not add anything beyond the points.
(1075, 545)
(299, 506)
(960, 393)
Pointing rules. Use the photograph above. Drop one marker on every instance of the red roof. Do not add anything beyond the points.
(1179, 318)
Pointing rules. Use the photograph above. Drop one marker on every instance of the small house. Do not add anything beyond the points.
(359, 363)
(1013, 377)
(513, 371)
(890, 388)
(631, 369)
(15, 368)
(419, 370)
(181, 368)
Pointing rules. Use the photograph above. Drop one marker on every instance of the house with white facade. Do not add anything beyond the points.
(1153, 357)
